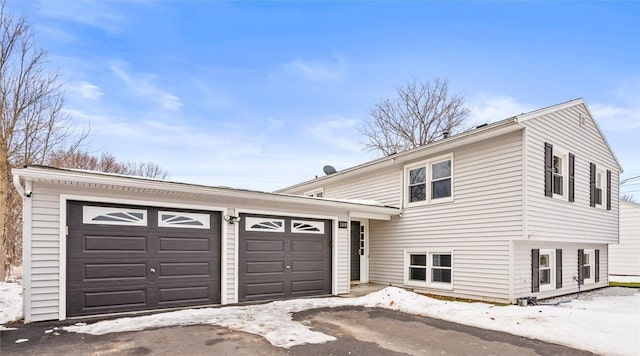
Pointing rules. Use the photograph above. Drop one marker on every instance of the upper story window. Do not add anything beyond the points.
(429, 181)
(600, 187)
(558, 178)
(317, 193)
(559, 173)
(417, 184)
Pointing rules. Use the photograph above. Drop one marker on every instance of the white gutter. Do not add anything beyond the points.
(52, 175)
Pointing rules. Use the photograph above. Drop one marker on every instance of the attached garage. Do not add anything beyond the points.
(131, 258)
(283, 257)
(96, 243)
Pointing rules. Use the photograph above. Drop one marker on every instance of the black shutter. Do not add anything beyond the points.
(580, 265)
(592, 184)
(572, 172)
(608, 189)
(535, 270)
(548, 169)
(558, 268)
(597, 266)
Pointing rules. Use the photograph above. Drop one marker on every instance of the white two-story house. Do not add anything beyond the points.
(523, 207)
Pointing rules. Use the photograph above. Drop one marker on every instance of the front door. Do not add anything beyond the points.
(356, 248)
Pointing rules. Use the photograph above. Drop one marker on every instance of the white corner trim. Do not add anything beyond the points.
(27, 212)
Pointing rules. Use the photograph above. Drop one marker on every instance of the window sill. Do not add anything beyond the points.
(430, 202)
(425, 285)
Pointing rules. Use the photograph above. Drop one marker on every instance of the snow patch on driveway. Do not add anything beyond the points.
(10, 303)
(607, 324)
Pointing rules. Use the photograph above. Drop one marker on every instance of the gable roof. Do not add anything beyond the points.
(477, 134)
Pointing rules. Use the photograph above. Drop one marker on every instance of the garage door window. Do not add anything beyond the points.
(183, 220)
(100, 215)
(307, 227)
(264, 224)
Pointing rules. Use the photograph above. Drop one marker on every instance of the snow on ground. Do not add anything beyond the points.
(606, 321)
(10, 302)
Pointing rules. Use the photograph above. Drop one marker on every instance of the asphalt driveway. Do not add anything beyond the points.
(359, 331)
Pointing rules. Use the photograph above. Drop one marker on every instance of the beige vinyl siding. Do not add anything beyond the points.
(522, 268)
(624, 258)
(384, 187)
(553, 219)
(45, 264)
(486, 213)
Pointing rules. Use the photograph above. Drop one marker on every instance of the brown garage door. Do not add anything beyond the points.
(283, 257)
(128, 258)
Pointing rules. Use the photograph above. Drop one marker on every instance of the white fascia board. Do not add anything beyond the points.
(549, 109)
(62, 176)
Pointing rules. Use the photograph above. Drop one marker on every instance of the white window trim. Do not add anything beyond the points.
(603, 187)
(427, 165)
(592, 258)
(427, 283)
(552, 269)
(203, 219)
(250, 221)
(316, 193)
(564, 155)
(90, 212)
(316, 224)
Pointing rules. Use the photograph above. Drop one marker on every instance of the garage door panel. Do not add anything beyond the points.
(307, 286)
(184, 294)
(102, 299)
(261, 267)
(184, 244)
(107, 271)
(184, 269)
(114, 268)
(264, 245)
(307, 266)
(118, 244)
(307, 245)
(265, 290)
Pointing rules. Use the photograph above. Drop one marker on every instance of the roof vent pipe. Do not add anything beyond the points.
(445, 134)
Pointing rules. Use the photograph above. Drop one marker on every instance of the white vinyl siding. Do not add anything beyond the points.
(384, 186)
(624, 258)
(556, 219)
(45, 265)
(477, 226)
(522, 268)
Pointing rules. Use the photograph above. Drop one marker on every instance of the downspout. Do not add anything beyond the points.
(18, 186)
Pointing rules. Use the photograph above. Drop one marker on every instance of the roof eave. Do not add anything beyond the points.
(62, 176)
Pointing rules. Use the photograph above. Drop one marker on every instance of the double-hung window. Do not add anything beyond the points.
(430, 181)
(588, 266)
(598, 190)
(559, 173)
(429, 269)
(547, 269)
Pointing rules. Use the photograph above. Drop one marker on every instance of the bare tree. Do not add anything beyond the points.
(628, 198)
(419, 115)
(105, 163)
(32, 124)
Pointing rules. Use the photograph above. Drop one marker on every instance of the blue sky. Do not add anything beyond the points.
(262, 95)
